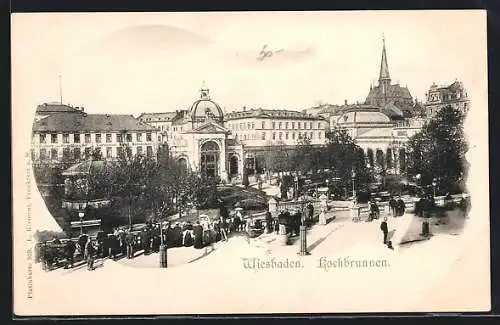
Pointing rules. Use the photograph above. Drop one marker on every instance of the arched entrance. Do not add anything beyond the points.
(183, 162)
(369, 156)
(379, 156)
(389, 158)
(233, 165)
(209, 162)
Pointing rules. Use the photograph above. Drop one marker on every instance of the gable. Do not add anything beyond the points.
(210, 127)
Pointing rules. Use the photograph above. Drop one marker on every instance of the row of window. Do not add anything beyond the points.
(281, 135)
(125, 137)
(76, 153)
(274, 125)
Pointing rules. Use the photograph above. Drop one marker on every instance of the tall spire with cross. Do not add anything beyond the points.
(384, 79)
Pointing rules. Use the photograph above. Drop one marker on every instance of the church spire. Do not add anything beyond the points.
(384, 67)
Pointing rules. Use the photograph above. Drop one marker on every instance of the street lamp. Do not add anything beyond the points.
(434, 184)
(163, 247)
(81, 215)
(302, 230)
(353, 176)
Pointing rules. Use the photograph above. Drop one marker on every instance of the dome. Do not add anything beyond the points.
(205, 107)
(363, 117)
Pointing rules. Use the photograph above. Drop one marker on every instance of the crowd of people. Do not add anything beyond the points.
(125, 242)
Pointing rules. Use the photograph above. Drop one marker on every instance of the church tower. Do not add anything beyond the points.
(384, 79)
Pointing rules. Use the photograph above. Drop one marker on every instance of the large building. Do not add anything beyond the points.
(395, 99)
(218, 144)
(440, 96)
(73, 136)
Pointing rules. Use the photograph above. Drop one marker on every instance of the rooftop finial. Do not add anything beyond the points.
(204, 90)
(60, 89)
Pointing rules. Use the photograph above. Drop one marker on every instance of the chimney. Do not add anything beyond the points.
(345, 102)
(244, 108)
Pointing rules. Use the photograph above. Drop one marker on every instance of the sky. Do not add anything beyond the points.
(130, 63)
(152, 62)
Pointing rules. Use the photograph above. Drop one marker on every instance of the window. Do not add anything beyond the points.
(241, 126)
(310, 135)
(53, 154)
(280, 136)
(311, 125)
(263, 135)
(149, 151)
(118, 138)
(138, 137)
(77, 153)
(119, 151)
(76, 138)
(319, 135)
(274, 125)
(286, 135)
(248, 126)
(98, 138)
(87, 138)
(319, 125)
(148, 137)
(139, 150)
(129, 137)
(33, 154)
(293, 135)
(65, 138)
(108, 138)
(253, 125)
(298, 125)
(293, 125)
(87, 152)
(42, 138)
(66, 153)
(43, 154)
(53, 138)
(159, 138)
(109, 152)
(98, 152)
(279, 125)
(263, 125)
(286, 125)
(274, 135)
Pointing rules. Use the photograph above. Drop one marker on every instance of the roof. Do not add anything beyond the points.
(271, 113)
(375, 133)
(56, 108)
(204, 108)
(157, 117)
(363, 116)
(384, 67)
(393, 91)
(210, 127)
(67, 122)
(391, 110)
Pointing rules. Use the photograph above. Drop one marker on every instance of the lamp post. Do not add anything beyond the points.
(434, 184)
(163, 247)
(302, 231)
(81, 215)
(353, 176)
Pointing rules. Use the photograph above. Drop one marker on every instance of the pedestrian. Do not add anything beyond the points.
(223, 228)
(69, 252)
(400, 206)
(89, 254)
(269, 222)
(198, 235)
(146, 241)
(129, 244)
(392, 206)
(177, 234)
(385, 231)
(310, 213)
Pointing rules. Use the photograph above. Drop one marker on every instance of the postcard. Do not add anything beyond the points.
(250, 162)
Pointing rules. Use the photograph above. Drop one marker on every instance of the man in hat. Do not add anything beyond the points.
(89, 254)
(69, 252)
(310, 213)
(385, 230)
(392, 206)
(198, 235)
(400, 206)
(223, 228)
(129, 244)
(177, 234)
(269, 222)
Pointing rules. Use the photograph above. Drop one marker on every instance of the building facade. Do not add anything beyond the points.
(440, 96)
(223, 145)
(74, 137)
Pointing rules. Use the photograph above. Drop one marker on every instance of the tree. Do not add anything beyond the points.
(438, 150)
(305, 157)
(343, 156)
